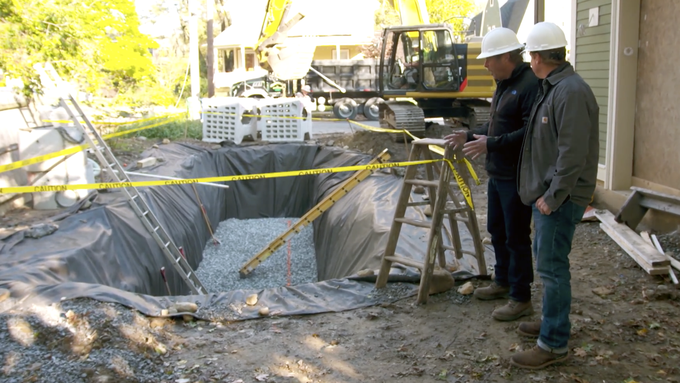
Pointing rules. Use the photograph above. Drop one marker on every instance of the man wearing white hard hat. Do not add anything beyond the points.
(557, 177)
(306, 98)
(509, 220)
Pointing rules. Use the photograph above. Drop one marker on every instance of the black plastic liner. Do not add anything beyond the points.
(105, 253)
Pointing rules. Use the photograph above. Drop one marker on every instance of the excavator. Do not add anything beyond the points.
(424, 71)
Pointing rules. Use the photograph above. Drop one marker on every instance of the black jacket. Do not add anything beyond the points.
(510, 111)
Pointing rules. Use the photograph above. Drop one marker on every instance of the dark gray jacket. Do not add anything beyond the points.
(560, 152)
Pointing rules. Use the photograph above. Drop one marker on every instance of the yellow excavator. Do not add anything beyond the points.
(440, 75)
(424, 70)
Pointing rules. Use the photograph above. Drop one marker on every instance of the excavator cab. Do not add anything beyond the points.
(421, 58)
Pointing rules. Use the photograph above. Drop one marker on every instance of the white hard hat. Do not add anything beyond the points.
(498, 41)
(545, 36)
(306, 88)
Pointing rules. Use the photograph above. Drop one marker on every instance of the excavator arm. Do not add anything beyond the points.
(411, 12)
(285, 59)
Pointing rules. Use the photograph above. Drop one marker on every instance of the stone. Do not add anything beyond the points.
(251, 300)
(441, 281)
(466, 289)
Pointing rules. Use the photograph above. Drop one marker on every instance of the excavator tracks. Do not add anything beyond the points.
(402, 115)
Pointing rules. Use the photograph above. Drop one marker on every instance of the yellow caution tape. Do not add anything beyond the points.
(434, 148)
(118, 123)
(74, 149)
(115, 185)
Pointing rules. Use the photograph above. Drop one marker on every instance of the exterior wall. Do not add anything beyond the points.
(592, 57)
(657, 137)
(325, 52)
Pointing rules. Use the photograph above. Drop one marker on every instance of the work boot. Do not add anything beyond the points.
(532, 329)
(513, 310)
(537, 358)
(492, 291)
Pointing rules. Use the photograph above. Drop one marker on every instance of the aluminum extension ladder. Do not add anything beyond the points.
(117, 173)
(444, 202)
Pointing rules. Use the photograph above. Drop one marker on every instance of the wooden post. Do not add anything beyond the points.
(210, 54)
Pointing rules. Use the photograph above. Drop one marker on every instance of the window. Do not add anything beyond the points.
(344, 54)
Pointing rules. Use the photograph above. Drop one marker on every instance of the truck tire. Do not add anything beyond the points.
(371, 110)
(345, 109)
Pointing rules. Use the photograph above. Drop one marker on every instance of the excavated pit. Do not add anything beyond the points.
(104, 253)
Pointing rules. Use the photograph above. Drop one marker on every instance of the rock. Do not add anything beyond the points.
(467, 289)
(345, 147)
(4, 294)
(161, 349)
(186, 307)
(166, 141)
(154, 146)
(419, 189)
(441, 281)
(187, 317)
(264, 311)
(215, 146)
(165, 312)
(366, 273)
(486, 241)
(399, 172)
(40, 230)
(330, 143)
(172, 311)
(141, 138)
(427, 211)
(251, 300)
(602, 291)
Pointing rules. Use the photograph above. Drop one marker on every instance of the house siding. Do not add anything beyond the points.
(592, 57)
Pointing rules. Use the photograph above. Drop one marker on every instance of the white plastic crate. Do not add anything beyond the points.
(284, 119)
(224, 120)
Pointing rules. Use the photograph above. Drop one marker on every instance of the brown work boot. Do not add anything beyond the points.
(537, 358)
(492, 291)
(513, 310)
(532, 329)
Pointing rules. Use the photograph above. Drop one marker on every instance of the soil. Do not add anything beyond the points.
(625, 328)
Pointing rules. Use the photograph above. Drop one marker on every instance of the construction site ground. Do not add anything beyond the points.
(625, 326)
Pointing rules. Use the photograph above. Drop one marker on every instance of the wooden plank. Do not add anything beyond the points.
(614, 235)
(314, 213)
(625, 236)
(674, 262)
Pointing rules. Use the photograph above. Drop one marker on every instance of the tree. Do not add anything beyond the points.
(92, 42)
(452, 12)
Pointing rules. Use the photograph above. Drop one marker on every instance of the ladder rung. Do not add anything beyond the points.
(178, 259)
(422, 182)
(448, 248)
(414, 222)
(156, 228)
(166, 244)
(421, 203)
(405, 261)
(454, 210)
(461, 219)
(145, 213)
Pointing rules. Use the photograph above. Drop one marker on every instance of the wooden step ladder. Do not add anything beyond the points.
(444, 201)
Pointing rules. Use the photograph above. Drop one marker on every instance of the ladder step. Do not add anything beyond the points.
(461, 219)
(405, 261)
(454, 210)
(422, 182)
(166, 244)
(461, 250)
(145, 213)
(421, 203)
(414, 222)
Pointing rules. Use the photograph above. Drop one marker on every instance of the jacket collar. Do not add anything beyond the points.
(560, 73)
(521, 67)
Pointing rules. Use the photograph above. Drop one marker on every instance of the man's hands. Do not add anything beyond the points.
(472, 149)
(456, 139)
(475, 148)
(542, 206)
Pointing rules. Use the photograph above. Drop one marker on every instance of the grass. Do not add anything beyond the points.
(181, 128)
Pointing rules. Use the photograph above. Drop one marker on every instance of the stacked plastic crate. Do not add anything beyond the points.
(283, 119)
(227, 119)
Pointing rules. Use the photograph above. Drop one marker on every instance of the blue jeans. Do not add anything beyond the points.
(552, 245)
(509, 223)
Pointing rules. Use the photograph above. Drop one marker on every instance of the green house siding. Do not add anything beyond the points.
(592, 57)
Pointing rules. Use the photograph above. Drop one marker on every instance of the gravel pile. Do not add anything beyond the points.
(242, 240)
